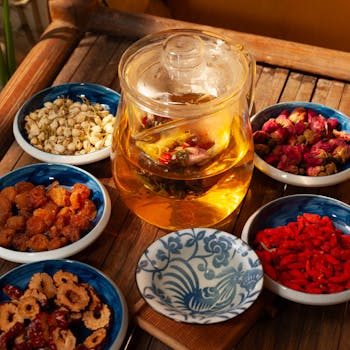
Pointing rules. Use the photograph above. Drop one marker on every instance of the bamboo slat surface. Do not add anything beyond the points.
(89, 51)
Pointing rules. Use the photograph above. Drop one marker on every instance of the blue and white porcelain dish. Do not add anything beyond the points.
(199, 275)
(67, 176)
(105, 287)
(95, 93)
(283, 210)
(300, 180)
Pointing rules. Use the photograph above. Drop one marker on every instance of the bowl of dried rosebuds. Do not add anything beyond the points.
(69, 123)
(303, 243)
(302, 144)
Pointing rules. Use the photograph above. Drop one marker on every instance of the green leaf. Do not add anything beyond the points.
(10, 50)
(4, 75)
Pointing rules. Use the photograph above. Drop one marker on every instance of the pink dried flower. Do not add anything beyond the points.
(315, 171)
(315, 157)
(332, 123)
(311, 114)
(334, 143)
(262, 150)
(285, 112)
(292, 154)
(303, 142)
(260, 136)
(341, 135)
(319, 124)
(272, 159)
(325, 144)
(311, 136)
(322, 170)
(341, 153)
(330, 168)
(270, 125)
(284, 121)
(300, 127)
(280, 135)
(298, 115)
(287, 167)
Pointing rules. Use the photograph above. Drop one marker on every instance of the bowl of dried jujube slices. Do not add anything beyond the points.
(50, 211)
(60, 304)
(69, 123)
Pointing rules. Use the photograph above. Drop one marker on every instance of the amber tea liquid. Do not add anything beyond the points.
(192, 196)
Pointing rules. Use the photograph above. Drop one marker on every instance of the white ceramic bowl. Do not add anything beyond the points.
(300, 180)
(286, 209)
(95, 93)
(67, 176)
(199, 275)
(108, 292)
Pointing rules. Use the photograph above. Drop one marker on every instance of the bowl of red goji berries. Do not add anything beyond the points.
(303, 242)
(302, 144)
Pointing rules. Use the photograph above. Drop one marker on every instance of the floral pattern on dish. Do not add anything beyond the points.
(199, 275)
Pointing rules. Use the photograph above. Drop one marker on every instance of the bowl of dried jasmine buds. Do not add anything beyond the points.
(69, 123)
(302, 144)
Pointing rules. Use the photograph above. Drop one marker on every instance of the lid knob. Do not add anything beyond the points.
(182, 53)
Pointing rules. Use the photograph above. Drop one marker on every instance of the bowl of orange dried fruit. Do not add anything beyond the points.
(61, 304)
(302, 144)
(50, 211)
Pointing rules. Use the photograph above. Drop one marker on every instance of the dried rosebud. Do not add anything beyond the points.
(322, 170)
(285, 112)
(280, 135)
(270, 125)
(325, 144)
(330, 168)
(284, 121)
(319, 124)
(311, 114)
(333, 124)
(341, 135)
(260, 136)
(316, 156)
(315, 170)
(299, 128)
(311, 137)
(287, 167)
(272, 159)
(298, 115)
(292, 155)
(341, 153)
(262, 150)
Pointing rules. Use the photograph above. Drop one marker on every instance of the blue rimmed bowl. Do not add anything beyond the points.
(67, 175)
(273, 111)
(199, 275)
(286, 209)
(107, 290)
(95, 93)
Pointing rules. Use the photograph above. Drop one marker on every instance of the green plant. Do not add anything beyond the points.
(7, 58)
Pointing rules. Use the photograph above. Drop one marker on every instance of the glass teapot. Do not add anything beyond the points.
(182, 152)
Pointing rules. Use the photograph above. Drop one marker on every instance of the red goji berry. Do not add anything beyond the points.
(312, 218)
(338, 279)
(165, 158)
(308, 254)
(287, 259)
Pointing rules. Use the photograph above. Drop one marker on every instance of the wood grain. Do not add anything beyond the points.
(78, 49)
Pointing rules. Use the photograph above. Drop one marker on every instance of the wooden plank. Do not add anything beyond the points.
(269, 86)
(273, 51)
(299, 87)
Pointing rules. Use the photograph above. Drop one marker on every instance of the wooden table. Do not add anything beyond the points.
(84, 44)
